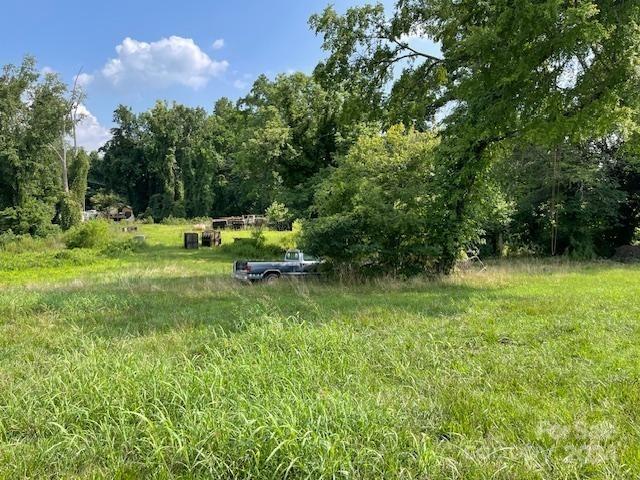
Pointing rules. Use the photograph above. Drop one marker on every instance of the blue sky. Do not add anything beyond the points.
(135, 52)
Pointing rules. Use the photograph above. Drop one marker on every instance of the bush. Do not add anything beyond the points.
(33, 217)
(117, 248)
(91, 234)
(381, 210)
(278, 216)
(71, 257)
(7, 238)
(291, 240)
(258, 238)
(10, 242)
(252, 249)
(70, 212)
(146, 218)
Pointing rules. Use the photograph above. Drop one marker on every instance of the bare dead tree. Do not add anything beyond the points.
(69, 117)
(77, 96)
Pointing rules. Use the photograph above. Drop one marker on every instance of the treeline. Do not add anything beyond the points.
(271, 146)
(538, 145)
(519, 137)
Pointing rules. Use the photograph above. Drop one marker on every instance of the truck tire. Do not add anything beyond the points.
(271, 277)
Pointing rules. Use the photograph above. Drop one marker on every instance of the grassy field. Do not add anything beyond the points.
(157, 364)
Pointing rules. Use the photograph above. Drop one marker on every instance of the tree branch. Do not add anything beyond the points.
(413, 50)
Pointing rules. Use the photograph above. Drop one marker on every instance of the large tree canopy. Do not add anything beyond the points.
(35, 120)
(543, 72)
(272, 145)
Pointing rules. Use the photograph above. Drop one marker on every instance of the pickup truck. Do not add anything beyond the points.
(295, 264)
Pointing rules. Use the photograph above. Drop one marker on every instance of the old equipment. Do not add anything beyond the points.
(211, 238)
(191, 240)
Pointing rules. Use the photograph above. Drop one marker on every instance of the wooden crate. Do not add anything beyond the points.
(211, 238)
(191, 240)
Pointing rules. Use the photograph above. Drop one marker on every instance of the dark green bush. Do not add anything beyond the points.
(91, 234)
(33, 218)
(381, 210)
(251, 249)
(117, 248)
(70, 213)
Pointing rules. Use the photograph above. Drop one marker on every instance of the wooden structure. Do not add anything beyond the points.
(239, 222)
(191, 240)
(124, 213)
(211, 238)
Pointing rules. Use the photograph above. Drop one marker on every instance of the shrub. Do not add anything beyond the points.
(71, 257)
(91, 234)
(117, 248)
(257, 236)
(291, 240)
(33, 217)
(10, 242)
(146, 217)
(381, 209)
(7, 238)
(70, 213)
(278, 215)
(250, 249)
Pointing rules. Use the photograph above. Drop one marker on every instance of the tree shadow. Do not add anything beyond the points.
(159, 304)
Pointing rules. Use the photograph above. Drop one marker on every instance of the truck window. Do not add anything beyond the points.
(310, 258)
(292, 256)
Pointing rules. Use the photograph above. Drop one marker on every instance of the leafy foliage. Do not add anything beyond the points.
(69, 213)
(91, 234)
(382, 206)
(535, 107)
(35, 116)
(278, 215)
(182, 162)
(564, 71)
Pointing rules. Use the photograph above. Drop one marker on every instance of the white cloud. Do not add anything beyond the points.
(91, 134)
(240, 84)
(218, 44)
(47, 70)
(169, 61)
(84, 79)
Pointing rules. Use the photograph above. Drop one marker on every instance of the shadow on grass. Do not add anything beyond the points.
(156, 304)
(164, 252)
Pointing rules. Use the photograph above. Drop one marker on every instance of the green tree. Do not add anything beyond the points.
(381, 207)
(33, 110)
(123, 169)
(278, 215)
(570, 199)
(539, 72)
(293, 131)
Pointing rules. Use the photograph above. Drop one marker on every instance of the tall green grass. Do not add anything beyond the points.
(157, 364)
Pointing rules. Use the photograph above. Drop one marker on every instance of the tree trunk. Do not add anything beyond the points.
(63, 160)
(553, 209)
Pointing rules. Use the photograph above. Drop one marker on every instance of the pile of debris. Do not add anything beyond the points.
(239, 222)
(210, 238)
